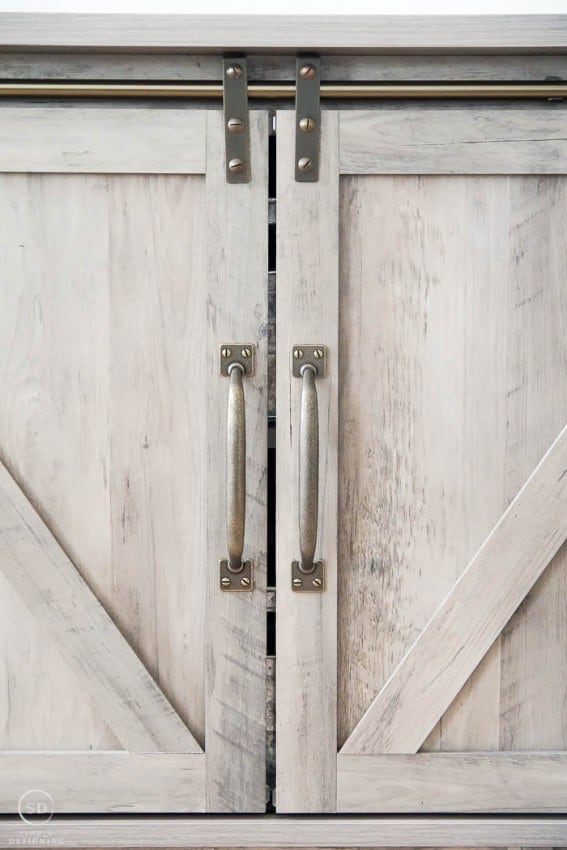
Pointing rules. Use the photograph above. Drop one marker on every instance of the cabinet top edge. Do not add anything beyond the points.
(384, 34)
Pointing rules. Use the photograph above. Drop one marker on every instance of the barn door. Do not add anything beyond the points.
(430, 673)
(130, 680)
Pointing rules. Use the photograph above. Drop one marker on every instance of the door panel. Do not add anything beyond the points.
(450, 444)
(95, 397)
(452, 307)
(115, 303)
(307, 300)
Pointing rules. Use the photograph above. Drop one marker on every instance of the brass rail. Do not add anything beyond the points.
(282, 91)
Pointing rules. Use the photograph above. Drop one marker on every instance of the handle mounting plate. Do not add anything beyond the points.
(236, 581)
(309, 355)
(241, 353)
(311, 582)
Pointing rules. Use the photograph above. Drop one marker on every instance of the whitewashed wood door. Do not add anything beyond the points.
(130, 682)
(431, 258)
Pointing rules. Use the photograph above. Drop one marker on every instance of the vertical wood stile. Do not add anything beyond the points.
(307, 310)
(236, 283)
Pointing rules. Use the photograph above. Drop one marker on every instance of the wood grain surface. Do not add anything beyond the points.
(236, 296)
(472, 615)
(125, 140)
(495, 139)
(54, 65)
(68, 613)
(463, 351)
(380, 33)
(276, 831)
(94, 423)
(307, 313)
(453, 782)
(105, 782)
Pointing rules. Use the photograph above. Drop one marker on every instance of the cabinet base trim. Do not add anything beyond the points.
(287, 831)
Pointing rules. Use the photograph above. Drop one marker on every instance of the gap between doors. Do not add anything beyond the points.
(271, 462)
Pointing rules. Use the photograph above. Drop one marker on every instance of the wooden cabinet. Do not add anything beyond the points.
(404, 502)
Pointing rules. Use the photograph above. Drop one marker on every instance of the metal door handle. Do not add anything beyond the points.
(308, 364)
(308, 469)
(235, 469)
(237, 361)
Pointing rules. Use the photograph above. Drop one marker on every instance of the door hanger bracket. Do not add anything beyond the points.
(236, 119)
(307, 118)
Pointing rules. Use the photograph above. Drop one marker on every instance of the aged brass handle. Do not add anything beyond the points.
(309, 363)
(235, 469)
(237, 361)
(308, 470)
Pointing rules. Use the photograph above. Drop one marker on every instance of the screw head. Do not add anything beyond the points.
(245, 352)
(317, 582)
(318, 353)
(305, 163)
(245, 581)
(297, 582)
(234, 72)
(226, 352)
(307, 71)
(235, 125)
(225, 581)
(236, 165)
(298, 353)
(307, 125)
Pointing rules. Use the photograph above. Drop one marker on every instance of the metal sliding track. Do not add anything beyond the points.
(277, 91)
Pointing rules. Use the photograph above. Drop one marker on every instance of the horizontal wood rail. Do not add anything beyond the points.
(453, 783)
(96, 782)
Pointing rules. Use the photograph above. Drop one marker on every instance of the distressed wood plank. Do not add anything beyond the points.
(278, 832)
(87, 257)
(420, 486)
(157, 464)
(73, 65)
(76, 139)
(386, 33)
(431, 315)
(453, 782)
(85, 783)
(534, 642)
(34, 676)
(307, 312)
(483, 140)
(201, 67)
(54, 260)
(41, 573)
(468, 621)
(236, 301)
(503, 705)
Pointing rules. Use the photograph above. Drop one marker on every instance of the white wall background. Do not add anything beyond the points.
(295, 7)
